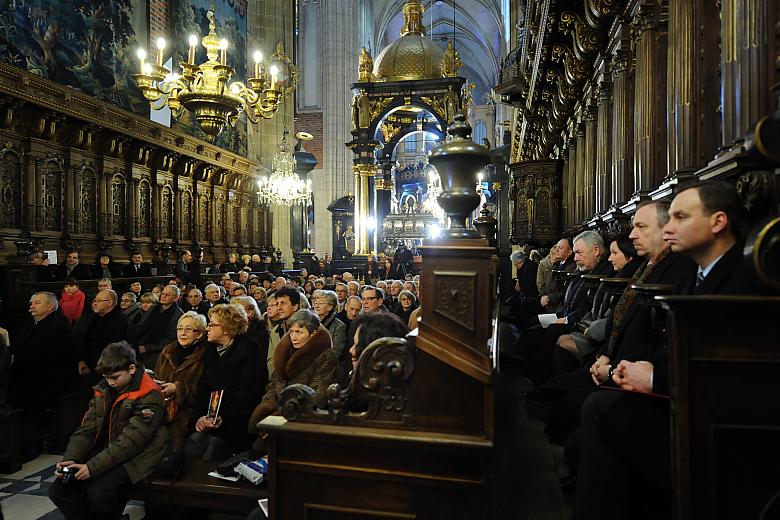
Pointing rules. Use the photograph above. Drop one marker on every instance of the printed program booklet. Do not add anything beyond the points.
(214, 403)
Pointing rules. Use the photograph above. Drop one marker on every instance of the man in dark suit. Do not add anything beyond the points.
(625, 435)
(72, 268)
(137, 268)
(525, 281)
(160, 326)
(108, 325)
(42, 367)
(630, 328)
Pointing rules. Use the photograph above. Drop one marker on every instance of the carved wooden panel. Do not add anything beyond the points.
(186, 215)
(118, 205)
(88, 188)
(237, 217)
(167, 212)
(537, 199)
(219, 232)
(51, 203)
(144, 208)
(205, 218)
(455, 296)
(10, 190)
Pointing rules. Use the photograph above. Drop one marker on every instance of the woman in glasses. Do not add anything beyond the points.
(178, 369)
(232, 363)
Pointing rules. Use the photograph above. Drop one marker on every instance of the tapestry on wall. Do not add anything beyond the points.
(189, 17)
(90, 45)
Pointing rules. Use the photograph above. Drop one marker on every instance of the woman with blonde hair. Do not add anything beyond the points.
(178, 370)
(232, 364)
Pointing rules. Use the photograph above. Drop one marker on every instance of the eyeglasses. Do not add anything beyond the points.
(367, 298)
(96, 300)
(188, 330)
(212, 325)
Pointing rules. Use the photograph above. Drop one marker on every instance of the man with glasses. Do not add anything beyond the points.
(341, 294)
(160, 326)
(108, 325)
(373, 300)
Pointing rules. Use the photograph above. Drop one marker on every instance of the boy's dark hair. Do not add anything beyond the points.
(289, 291)
(71, 281)
(377, 325)
(115, 357)
(720, 196)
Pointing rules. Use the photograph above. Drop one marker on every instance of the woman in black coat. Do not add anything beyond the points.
(407, 303)
(105, 267)
(231, 363)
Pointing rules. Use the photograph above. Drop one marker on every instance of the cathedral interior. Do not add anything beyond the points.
(337, 136)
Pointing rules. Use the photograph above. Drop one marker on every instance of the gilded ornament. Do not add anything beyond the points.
(389, 131)
(365, 67)
(438, 105)
(378, 106)
(452, 62)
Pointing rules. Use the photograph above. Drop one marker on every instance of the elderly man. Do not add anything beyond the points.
(395, 290)
(137, 268)
(213, 297)
(525, 278)
(373, 300)
(109, 324)
(130, 306)
(104, 284)
(352, 308)
(704, 225)
(243, 277)
(342, 295)
(347, 277)
(195, 302)
(42, 367)
(543, 358)
(160, 326)
(72, 268)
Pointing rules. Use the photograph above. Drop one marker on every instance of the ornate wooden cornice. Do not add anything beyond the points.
(53, 103)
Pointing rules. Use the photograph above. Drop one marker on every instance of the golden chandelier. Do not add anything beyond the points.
(204, 90)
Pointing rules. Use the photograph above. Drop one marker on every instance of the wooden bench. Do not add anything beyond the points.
(195, 488)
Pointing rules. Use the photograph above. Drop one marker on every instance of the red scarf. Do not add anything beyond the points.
(72, 305)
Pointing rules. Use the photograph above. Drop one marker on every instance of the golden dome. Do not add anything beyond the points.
(412, 56)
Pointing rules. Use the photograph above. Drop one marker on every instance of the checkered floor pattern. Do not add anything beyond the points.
(24, 495)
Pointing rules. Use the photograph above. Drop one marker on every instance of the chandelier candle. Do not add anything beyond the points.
(191, 54)
(160, 51)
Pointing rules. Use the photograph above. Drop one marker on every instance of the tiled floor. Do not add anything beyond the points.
(24, 494)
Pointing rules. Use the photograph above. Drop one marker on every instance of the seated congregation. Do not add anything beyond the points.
(582, 324)
(595, 346)
(153, 368)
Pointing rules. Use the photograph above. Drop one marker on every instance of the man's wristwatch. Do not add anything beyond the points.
(611, 371)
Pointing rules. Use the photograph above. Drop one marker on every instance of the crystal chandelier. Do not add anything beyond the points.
(204, 90)
(284, 186)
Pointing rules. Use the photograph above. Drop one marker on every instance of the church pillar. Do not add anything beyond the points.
(748, 28)
(622, 129)
(603, 135)
(649, 31)
(590, 118)
(692, 95)
(363, 173)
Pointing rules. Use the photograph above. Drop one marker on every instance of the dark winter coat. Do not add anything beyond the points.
(159, 329)
(136, 437)
(242, 374)
(112, 327)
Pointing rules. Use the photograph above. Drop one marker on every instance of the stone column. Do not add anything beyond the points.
(650, 163)
(748, 28)
(590, 117)
(565, 182)
(622, 127)
(603, 136)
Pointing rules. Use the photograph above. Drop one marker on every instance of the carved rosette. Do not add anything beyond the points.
(454, 296)
(297, 401)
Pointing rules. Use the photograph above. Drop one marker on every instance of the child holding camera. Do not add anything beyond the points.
(120, 441)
